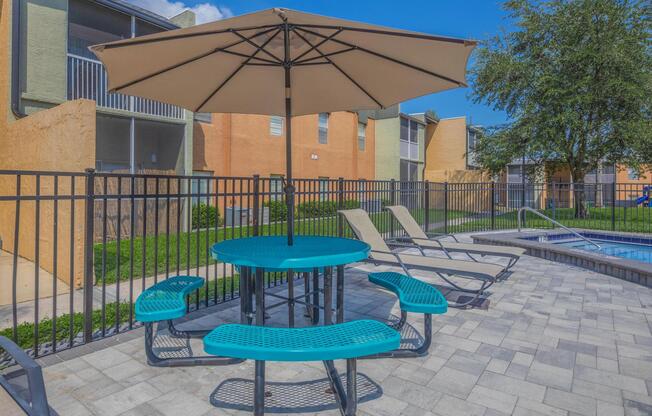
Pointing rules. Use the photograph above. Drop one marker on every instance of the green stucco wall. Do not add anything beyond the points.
(44, 34)
(388, 149)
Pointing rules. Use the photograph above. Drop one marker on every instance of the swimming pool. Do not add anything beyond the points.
(629, 251)
(624, 255)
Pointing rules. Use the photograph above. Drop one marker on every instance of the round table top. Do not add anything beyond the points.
(273, 252)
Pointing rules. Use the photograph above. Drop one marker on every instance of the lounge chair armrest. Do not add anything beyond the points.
(406, 245)
(437, 236)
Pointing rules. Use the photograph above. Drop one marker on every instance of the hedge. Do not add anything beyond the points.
(205, 216)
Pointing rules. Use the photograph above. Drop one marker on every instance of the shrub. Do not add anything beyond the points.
(278, 211)
(205, 216)
(319, 209)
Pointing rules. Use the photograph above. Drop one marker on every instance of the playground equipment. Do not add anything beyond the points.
(646, 198)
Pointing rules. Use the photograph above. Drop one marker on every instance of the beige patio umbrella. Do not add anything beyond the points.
(286, 63)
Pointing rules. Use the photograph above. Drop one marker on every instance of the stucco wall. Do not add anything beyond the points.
(5, 63)
(388, 149)
(46, 141)
(43, 43)
(241, 145)
(446, 145)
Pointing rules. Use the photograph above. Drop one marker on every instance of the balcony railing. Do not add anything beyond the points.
(87, 79)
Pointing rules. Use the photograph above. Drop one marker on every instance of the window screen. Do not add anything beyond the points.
(323, 128)
(275, 126)
(90, 23)
(362, 136)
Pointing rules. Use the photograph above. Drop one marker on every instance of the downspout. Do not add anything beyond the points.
(15, 59)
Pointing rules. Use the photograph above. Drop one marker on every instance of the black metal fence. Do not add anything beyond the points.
(78, 248)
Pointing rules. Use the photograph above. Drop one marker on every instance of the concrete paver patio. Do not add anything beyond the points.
(555, 340)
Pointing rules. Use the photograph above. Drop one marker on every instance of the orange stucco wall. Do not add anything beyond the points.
(622, 176)
(446, 145)
(59, 139)
(241, 145)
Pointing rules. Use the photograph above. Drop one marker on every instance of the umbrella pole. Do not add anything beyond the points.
(289, 186)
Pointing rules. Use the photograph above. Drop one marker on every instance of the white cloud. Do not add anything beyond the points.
(205, 12)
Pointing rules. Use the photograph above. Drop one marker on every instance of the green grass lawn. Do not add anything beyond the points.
(194, 247)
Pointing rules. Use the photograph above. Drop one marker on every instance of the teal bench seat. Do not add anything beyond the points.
(164, 302)
(414, 296)
(349, 341)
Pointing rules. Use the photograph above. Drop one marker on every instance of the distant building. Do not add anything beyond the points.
(325, 145)
(400, 140)
(46, 64)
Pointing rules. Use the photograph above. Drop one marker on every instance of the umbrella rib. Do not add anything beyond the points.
(132, 42)
(180, 64)
(342, 71)
(314, 58)
(392, 33)
(242, 65)
(388, 58)
(254, 44)
(331, 36)
(244, 55)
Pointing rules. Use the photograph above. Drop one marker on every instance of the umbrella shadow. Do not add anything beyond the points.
(289, 397)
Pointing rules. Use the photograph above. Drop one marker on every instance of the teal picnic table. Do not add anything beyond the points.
(309, 255)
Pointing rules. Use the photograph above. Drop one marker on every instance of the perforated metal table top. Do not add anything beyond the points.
(273, 252)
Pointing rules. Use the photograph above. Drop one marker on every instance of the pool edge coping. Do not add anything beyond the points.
(625, 269)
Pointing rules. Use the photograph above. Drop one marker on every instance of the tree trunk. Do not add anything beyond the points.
(581, 210)
(579, 194)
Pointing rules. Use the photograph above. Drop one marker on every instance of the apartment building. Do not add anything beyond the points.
(325, 145)
(49, 67)
(450, 143)
(400, 141)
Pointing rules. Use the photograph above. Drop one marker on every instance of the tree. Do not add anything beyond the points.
(575, 79)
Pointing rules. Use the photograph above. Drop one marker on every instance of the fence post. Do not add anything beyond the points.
(89, 224)
(445, 207)
(256, 202)
(613, 205)
(426, 205)
(493, 205)
(340, 205)
(392, 201)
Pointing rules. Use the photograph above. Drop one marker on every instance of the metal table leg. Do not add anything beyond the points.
(260, 297)
(244, 294)
(315, 296)
(340, 294)
(328, 295)
(290, 298)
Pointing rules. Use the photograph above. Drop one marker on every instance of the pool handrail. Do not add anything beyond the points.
(534, 211)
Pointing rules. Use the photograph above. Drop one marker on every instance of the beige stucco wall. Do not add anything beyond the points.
(388, 149)
(43, 51)
(43, 141)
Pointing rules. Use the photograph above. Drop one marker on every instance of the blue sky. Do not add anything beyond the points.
(474, 19)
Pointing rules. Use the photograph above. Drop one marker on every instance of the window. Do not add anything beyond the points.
(203, 117)
(409, 139)
(323, 188)
(158, 146)
(632, 175)
(409, 171)
(362, 136)
(323, 128)
(89, 24)
(276, 187)
(275, 126)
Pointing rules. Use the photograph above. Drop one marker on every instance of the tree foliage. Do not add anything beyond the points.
(575, 79)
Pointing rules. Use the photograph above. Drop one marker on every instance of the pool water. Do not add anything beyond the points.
(640, 252)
